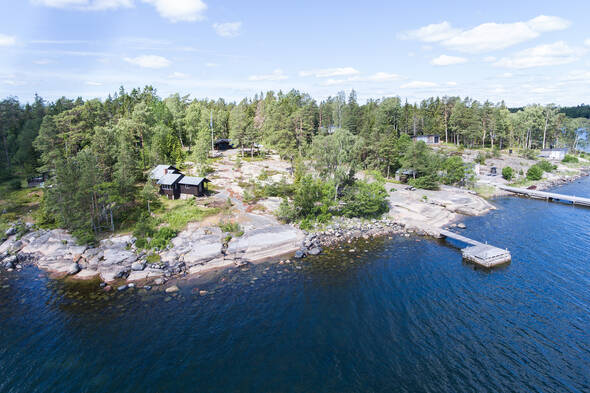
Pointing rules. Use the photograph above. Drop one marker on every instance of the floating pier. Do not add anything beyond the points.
(548, 196)
(480, 253)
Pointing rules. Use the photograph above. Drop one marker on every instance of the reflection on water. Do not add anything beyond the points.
(394, 315)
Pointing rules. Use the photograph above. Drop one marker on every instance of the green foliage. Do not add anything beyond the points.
(153, 258)
(570, 158)
(507, 173)
(313, 199)
(15, 184)
(456, 170)
(529, 154)
(480, 158)
(546, 166)
(428, 182)
(368, 200)
(84, 236)
(534, 173)
(162, 237)
(229, 226)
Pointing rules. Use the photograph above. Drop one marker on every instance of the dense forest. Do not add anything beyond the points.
(97, 152)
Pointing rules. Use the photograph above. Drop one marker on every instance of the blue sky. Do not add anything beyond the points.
(522, 52)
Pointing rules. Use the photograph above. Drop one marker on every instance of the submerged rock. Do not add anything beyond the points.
(315, 251)
(122, 288)
(172, 289)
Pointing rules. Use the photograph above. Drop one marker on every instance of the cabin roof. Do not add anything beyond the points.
(159, 171)
(169, 179)
(193, 181)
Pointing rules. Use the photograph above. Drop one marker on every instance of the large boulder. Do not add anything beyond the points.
(204, 249)
(263, 243)
(74, 268)
(114, 256)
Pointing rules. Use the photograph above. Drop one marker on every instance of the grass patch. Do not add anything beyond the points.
(15, 204)
(178, 213)
(485, 191)
(153, 258)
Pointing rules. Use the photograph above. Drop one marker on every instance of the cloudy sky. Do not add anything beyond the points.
(519, 51)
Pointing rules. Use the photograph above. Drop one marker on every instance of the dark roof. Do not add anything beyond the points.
(170, 179)
(192, 181)
(159, 170)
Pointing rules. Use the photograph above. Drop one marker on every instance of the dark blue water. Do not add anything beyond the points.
(407, 315)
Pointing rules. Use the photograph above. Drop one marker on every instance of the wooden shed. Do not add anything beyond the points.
(193, 185)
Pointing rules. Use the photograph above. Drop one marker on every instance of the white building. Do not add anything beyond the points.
(554, 154)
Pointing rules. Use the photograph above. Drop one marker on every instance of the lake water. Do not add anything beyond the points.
(405, 315)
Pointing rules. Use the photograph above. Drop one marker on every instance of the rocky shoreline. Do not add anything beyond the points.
(198, 250)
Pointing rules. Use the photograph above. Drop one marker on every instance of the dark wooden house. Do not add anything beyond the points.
(169, 185)
(193, 185)
(222, 144)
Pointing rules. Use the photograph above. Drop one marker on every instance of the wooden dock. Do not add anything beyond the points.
(548, 196)
(480, 253)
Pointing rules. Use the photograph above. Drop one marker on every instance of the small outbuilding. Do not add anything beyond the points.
(428, 139)
(193, 185)
(222, 144)
(554, 154)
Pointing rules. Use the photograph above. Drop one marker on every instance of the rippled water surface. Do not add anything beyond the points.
(394, 315)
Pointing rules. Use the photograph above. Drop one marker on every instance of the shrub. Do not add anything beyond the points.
(507, 173)
(534, 173)
(162, 237)
(365, 200)
(481, 158)
(141, 243)
(570, 158)
(145, 227)
(546, 166)
(456, 170)
(84, 236)
(15, 184)
(428, 182)
(529, 154)
(496, 152)
(229, 226)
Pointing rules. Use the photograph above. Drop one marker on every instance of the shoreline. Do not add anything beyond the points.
(115, 262)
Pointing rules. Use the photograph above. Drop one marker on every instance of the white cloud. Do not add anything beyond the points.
(418, 85)
(489, 59)
(92, 83)
(7, 40)
(180, 10)
(506, 75)
(59, 42)
(178, 75)
(432, 33)
(330, 72)
(450, 83)
(149, 61)
(543, 55)
(86, 5)
(383, 77)
(444, 60)
(43, 61)
(276, 75)
(487, 36)
(587, 42)
(228, 29)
